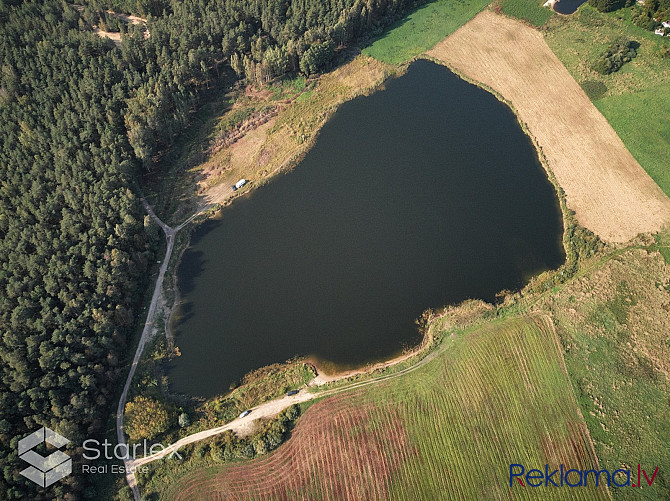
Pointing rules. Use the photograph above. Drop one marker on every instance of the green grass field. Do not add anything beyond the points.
(499, 395)
(636, 99)
(642, 121)
(527, 10)
(422, 29)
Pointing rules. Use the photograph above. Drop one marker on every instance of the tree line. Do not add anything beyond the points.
(648, 15)
(81, 120)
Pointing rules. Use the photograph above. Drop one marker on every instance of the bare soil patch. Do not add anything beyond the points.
(608, 190)
(115, 36)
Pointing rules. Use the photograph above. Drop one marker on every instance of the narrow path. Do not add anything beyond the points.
(146, 335)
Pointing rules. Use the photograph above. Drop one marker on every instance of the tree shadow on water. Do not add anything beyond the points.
(191, 267)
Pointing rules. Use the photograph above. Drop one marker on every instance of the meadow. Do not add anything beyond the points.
(422, 29)
(613, 326)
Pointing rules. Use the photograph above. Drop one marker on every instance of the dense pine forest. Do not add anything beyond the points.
(81, 120)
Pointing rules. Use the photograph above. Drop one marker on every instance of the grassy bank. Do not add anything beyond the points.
(421, 29)
(252, 133)
(531, 11)
(636, 99)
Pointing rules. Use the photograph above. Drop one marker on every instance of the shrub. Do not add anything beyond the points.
(644, 18)
(216, 451)
(145, 418)
(607, 5)
(595, 89)
(184, 421)
(615, 56)
(292, 412)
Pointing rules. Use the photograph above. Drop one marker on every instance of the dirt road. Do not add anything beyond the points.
(170, 234)
(146, 335)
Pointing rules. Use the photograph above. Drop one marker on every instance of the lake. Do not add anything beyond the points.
(424, 194)
(567, 6)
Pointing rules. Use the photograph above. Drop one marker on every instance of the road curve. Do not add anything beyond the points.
(239, 425)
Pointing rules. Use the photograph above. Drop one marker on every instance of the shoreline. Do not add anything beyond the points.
(214, 206)
(628, 201)
(323, 378)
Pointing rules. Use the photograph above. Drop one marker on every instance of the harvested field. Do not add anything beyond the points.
(499, 394)
(605, 186)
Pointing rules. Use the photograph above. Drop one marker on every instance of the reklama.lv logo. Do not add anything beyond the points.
(576, 478)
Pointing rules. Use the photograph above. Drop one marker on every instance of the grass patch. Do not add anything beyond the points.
(662, 245)
(642, 121)
(636, 99)
(287, 87)
(531, 11)
(259, 386)
(422, 29)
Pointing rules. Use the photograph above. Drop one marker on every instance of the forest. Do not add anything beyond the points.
(82, 121)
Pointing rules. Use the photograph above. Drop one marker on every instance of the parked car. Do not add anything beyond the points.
(292, 392)
(245, 413)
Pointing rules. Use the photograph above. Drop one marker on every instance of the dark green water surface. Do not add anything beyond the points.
(421, 195)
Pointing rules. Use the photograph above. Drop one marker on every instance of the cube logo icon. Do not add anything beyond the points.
(45, 471)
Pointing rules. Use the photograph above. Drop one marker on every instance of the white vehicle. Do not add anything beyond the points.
(245, 413)
(239, 184)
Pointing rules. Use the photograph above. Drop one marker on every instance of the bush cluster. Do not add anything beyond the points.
(644, 18)
(229, 447)
(615, 56)
(595, 89)
(645, 15)
(609, 5)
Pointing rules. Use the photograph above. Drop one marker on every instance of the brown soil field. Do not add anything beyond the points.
(335, 453)
(608, 190)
